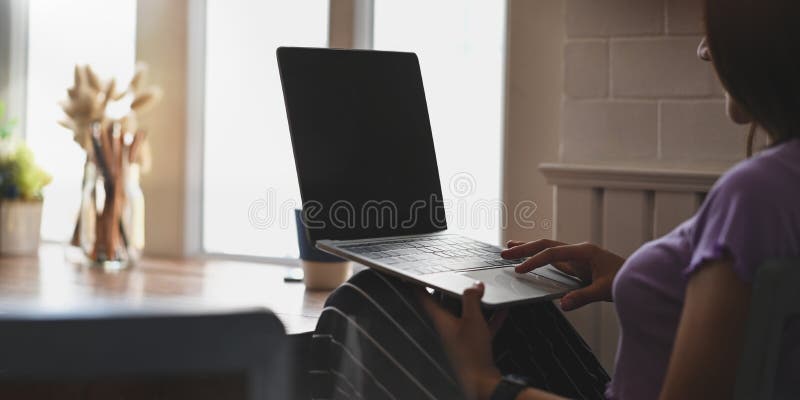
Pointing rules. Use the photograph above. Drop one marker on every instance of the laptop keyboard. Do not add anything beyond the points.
(431, 254)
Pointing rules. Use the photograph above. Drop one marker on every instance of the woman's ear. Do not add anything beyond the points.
(703, 52)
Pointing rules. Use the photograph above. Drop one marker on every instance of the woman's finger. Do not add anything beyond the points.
(471, 302)
(565, 267)
(528, 249)
(571, 252)
(514, 243)
(583, 296)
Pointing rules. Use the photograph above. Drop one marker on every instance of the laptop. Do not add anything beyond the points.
(369, 180)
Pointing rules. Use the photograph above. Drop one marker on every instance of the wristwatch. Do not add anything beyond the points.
(509, 387)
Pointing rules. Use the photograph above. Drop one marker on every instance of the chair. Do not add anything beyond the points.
(92, 346)
(775, 298)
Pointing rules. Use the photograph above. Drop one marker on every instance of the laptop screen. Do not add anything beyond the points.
(362, 143)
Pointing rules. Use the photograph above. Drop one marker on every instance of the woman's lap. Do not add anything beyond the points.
(374, 340)
(537, 341)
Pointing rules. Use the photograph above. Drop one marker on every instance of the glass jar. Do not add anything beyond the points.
(96, 224)
(87, 218)
(133, 211)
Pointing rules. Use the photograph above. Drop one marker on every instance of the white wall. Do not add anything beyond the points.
(162, 42)
(635, 92)
(643, 132)
(534, 81)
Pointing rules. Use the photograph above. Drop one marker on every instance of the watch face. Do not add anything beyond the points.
(510, 386)
(518, 379)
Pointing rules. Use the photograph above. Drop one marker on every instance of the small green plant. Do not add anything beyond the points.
(6, 126)
(20, 177)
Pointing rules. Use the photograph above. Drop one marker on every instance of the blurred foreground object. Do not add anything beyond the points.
(21, 184)
(110, 227)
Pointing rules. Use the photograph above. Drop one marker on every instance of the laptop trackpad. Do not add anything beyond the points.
(503, 285)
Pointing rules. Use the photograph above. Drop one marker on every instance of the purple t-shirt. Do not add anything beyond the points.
(753, 214)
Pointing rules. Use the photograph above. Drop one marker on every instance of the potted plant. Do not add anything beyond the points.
(21, 184)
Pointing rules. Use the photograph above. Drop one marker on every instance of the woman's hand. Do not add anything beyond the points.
(586, 261)
(468, 341)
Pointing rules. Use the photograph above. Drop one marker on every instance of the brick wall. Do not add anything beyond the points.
(635, 92)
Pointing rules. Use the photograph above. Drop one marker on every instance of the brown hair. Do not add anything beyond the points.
(755, 49)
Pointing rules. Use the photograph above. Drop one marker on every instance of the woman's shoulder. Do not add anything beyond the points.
(772, 177)
(752, 213)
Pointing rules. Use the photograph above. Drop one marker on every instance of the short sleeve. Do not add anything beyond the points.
(743, 218)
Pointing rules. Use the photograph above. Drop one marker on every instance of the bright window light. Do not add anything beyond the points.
(250, 186)
(63, 33)
(461, 47)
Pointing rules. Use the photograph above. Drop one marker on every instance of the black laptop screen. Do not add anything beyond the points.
(362, 143)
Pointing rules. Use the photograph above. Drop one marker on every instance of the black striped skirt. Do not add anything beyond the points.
(375, 341)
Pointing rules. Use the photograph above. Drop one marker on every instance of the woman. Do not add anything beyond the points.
(682, 299)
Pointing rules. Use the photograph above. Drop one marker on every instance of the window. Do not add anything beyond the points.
(461, 48)
(61, 34)
(249, 185)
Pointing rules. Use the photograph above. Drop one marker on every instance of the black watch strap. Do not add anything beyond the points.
(509, 387)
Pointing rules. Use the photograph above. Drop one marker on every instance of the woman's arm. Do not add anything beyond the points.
(709, 341)
(467, 341)
(710, 335)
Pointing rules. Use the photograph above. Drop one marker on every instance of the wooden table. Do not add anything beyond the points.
(53, 282)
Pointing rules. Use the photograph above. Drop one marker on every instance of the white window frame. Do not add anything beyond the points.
(193, 229)
(362, 20)
(14, 59)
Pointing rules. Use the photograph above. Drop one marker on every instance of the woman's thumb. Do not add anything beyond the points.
(471, 301)
(581, 297)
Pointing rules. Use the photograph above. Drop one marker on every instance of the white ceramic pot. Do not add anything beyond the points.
(20, 223)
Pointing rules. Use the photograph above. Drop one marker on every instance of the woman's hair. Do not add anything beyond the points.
(755, 48)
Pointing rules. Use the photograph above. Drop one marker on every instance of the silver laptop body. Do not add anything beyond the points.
(363, 145)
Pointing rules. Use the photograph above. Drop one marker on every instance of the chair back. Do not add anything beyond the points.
(775, 298)
(91, 346)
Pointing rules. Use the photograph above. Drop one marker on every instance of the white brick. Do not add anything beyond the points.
(586, 69)
(685, 17)
(700, 132)
(609, 131)
(592, 18)
(661, 67)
